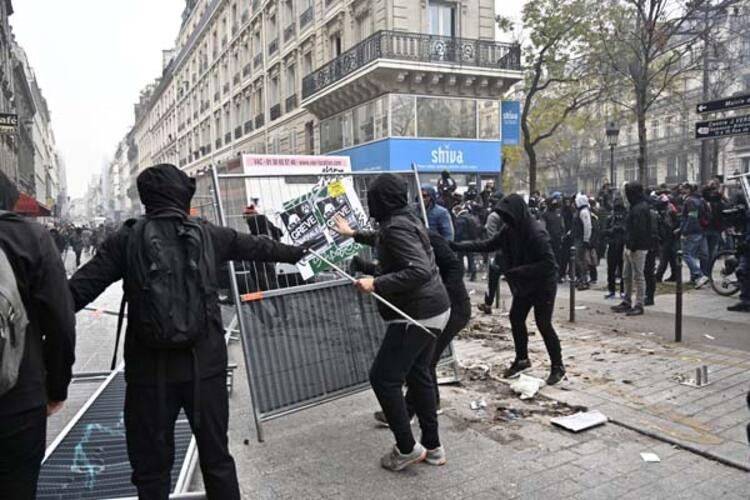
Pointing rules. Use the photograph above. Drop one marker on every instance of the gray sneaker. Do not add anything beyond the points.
(395, 460)
(436, 456)
(701, 282)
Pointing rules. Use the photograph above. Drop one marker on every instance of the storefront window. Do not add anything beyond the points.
(381, 117)
(402, 112)
(364, 126)
(489, 119)
(447, 118)
(331, 137)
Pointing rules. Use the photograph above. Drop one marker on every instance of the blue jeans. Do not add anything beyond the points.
(695, 249)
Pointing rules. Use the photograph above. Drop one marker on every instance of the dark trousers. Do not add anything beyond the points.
(149, 426)
(713, 241)
(493, 282)
(404, 358)
(582, 267)
(543, 303)
(460, 315)
(667, 257)
(614, 266)
(557, 248)
(649, 273)
(78, 257)
(471, 266)
(22, 442)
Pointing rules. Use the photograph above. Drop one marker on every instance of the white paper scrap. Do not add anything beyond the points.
(650, 457)
(580, 421)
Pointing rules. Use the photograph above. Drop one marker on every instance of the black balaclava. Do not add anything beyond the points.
(8, 193)
(519, 223)
(634, 192)
(166, 190)
(386, 194)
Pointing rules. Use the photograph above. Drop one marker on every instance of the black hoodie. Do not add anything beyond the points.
(640, 230)
(166, 192)
(410, 278)
(527, 257)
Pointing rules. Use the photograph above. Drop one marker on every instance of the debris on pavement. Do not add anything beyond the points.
(709, 337)
(527, 386)
(580, 308)
(581, 421)
(650, 457)
(700, 380)
(478, 404)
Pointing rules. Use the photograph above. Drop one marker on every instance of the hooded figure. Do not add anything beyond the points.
(530, 268)
(8, 193)
(438, 217)
(582, 231)
(409, 280)
(160, 383)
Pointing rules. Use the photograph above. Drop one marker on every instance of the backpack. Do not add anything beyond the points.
(13, 323)
(168, 266)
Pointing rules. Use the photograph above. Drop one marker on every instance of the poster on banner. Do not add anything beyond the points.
(311, 218)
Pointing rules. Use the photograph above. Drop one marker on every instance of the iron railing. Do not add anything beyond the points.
(275, 111)
(248, 127)
(259, 119)
(273, 46)
(290, 103)
(289, 32)
(416, 47)
(306, 17)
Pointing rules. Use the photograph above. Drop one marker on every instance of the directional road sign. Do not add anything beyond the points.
(724, 104)
(736, 125)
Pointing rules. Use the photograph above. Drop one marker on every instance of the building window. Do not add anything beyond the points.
(744, 165)
(331, 136)
(403, 115)
(364, 123)
(364, 26)
(489, 119)
(335, 45)
(307, 63)
(446, 118)
(442, 18)
(291, 81)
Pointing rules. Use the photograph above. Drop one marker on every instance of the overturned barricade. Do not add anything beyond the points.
(308, 337)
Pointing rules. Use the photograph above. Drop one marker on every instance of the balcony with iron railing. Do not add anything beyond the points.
(275, 111)
(289, 32)
(417, 48)
(306, 17)
(290, 103)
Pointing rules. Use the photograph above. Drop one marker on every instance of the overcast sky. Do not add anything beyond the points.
(92, 57)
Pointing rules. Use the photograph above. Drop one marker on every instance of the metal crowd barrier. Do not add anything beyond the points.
(307, 338)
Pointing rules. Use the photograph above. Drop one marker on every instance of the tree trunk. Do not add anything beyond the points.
(528, 146)
(642, 144)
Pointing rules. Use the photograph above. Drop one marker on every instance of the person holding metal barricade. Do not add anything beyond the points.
(409, 281)
(451, 273)
(530, 268)
(175, 352)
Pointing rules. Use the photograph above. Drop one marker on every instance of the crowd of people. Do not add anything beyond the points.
(82, 240)
(175, 353)
(638, 231)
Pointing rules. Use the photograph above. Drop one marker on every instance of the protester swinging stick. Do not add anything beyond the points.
(378, 297)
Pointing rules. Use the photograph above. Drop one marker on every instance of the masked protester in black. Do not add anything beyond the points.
(530, 268)
(409, 280)
(160, 383)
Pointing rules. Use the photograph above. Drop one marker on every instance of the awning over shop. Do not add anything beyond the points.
(30, 207)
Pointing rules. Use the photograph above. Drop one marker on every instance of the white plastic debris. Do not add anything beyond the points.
(478, 404)
(650, 457)
(580, 308)
(580, 421)
(527, 386)
(709, 337)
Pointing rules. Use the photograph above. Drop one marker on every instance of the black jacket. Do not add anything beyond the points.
(527, 257)
(50, 337)
(450, 266)
(110, 265)
(553, 222)
(615, 230)
(639, 225)
(410, 280)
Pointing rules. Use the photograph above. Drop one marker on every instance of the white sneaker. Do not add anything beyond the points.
(396, 461)
(701, 282)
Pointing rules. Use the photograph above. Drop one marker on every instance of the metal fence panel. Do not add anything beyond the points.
(307, 339)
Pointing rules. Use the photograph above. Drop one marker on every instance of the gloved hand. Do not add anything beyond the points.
(306, 246)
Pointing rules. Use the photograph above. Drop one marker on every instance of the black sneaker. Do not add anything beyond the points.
(739, 307)
(486, 309)
(516, 368)
(648, 302)
(609, 296)
(621, 308)
(636, 311)
(582, 286)
(556, 374)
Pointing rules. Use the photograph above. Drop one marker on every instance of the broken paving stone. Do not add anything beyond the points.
(478, 404)
(581, 421)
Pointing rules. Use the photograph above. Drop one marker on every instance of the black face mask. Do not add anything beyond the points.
(507, 219)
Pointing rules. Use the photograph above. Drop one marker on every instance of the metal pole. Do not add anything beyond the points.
(678, 300)
(612, 165)
(238, 307)
(419, 196)
(704, 143)
(572, 275)
(378, 297)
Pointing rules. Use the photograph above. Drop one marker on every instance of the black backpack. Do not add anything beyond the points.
(168, 282)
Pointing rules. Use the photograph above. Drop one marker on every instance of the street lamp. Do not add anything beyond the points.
(612, 132)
